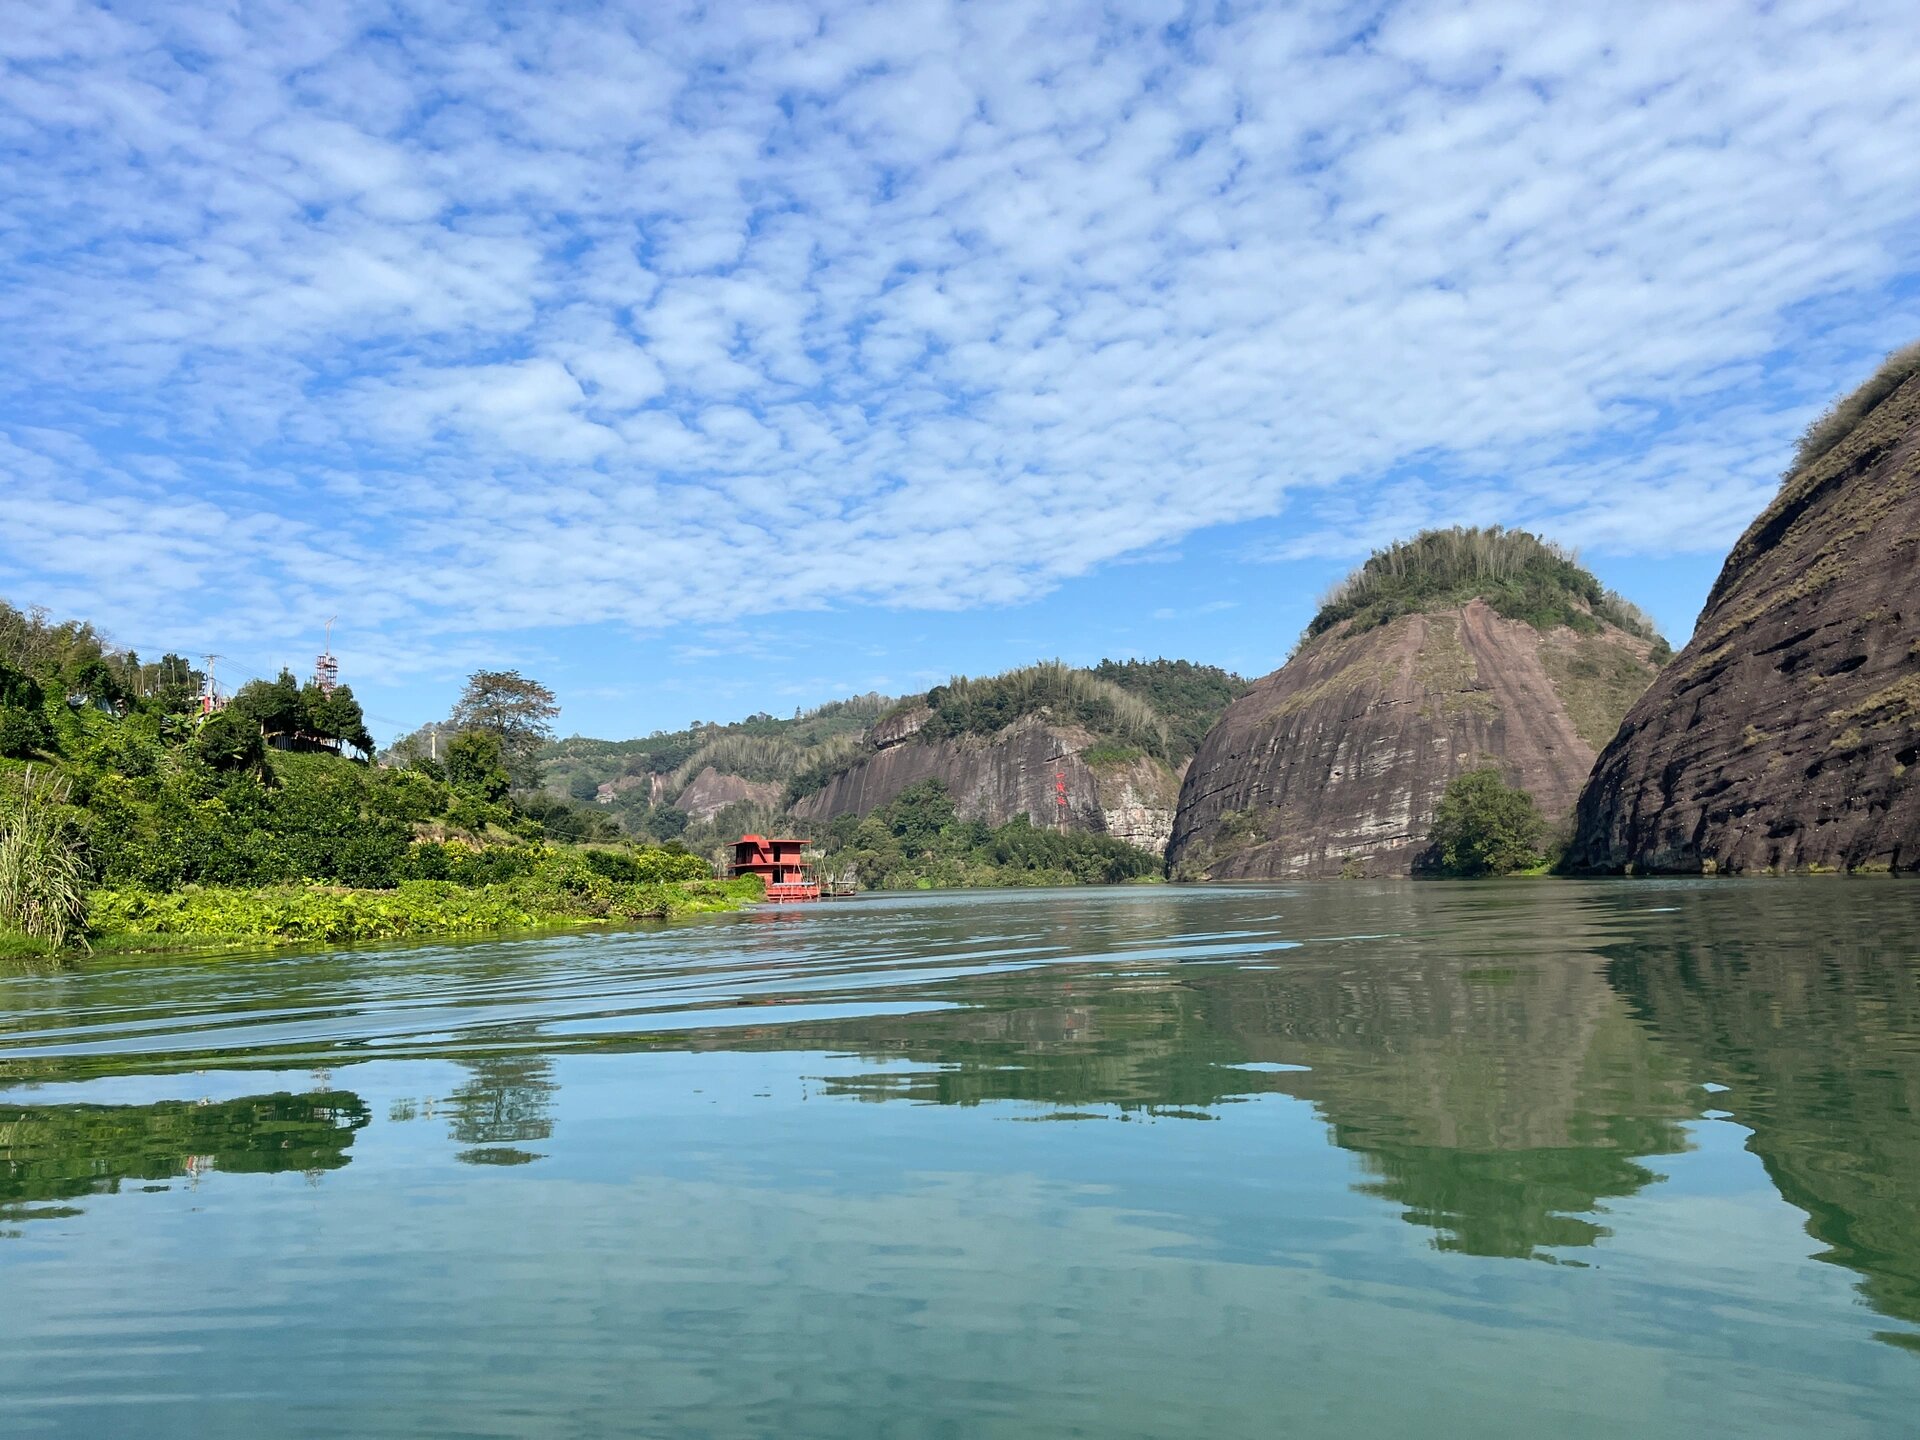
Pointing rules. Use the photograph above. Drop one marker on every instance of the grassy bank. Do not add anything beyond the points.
(135, 919)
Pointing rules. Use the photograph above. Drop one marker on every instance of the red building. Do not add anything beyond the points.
(779, 866)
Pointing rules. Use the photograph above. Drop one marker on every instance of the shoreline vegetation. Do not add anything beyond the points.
(134, 815)
(137, 921)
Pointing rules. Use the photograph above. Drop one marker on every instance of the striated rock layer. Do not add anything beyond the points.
(1786, 735)
(710, 792)
(1019, 771)
(1333, 763)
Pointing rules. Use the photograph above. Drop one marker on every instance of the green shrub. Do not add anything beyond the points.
(23, 731)
(1483, 826)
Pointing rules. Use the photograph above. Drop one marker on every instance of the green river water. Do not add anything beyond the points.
(1530, 1159)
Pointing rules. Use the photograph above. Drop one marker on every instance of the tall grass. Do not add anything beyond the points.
(43, 879)
(1518, 573)
(1837, 423)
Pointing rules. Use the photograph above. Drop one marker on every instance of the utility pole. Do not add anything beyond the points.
(213, 690)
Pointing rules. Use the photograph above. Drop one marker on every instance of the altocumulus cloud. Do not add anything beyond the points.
(477, 321)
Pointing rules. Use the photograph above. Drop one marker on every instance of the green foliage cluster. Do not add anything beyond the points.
(918, 842)
(1839, 419)
(304, 715)
(1483, 826)
(965, 706)
(1520, 575)
(1188, 697)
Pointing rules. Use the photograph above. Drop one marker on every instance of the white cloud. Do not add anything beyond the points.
(600, 317)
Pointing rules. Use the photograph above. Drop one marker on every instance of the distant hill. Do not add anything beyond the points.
(1095, 750)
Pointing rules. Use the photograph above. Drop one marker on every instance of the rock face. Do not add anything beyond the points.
(1018, 771)
(710, 792)
(1333, 763)
(1786, 735)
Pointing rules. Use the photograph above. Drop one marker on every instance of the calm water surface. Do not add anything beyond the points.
(1344, 1160)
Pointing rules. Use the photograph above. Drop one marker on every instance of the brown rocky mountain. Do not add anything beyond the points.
(1028, 768)
(1786, 735)
(1333, 763)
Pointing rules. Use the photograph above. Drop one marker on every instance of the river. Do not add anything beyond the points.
(1508, 1159)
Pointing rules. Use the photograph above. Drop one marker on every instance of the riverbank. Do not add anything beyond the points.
(132, 919)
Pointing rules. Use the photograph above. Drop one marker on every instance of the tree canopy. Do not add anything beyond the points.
(519, 711)
(1483, 826)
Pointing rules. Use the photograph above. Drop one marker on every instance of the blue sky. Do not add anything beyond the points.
(939, 336)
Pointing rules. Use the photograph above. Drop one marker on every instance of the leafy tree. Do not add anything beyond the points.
(519, 711)
(274, 706)
(476, 765)
(339, 717)
(1483, 826)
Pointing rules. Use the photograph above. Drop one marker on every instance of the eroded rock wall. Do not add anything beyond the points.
(1333, 763)
(710, 792)
(1786, 735)
(1018, 771)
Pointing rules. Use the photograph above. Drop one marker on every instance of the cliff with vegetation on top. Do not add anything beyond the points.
(1096, 751)
(1440, 654)
(1786, 735)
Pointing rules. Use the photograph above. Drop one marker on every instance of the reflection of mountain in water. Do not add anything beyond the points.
(1498, 1104)
(1497, 1101)
(1818, 1036)
(62, 1152)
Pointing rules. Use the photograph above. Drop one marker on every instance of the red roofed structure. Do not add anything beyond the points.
(779, 866)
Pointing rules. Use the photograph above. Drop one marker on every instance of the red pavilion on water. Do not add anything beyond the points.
(779, 866)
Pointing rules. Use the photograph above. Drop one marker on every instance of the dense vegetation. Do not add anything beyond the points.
(1188, 697)
(918, 842)
(1520, 575)
(1838, 420)
(1482, 826)
(124, 808)
(623, 776)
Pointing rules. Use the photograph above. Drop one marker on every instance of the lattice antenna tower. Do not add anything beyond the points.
(326, 669)
(210, 699)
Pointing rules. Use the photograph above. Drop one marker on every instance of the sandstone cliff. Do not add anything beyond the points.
(710, 792)
(1018, 771)
(1785, 736)
(1333, 763)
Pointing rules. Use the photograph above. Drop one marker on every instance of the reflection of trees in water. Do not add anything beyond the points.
(508, 1099)
(1499, 1105)
(1144, 1046)
(1821, 1049)
(63, 1152)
